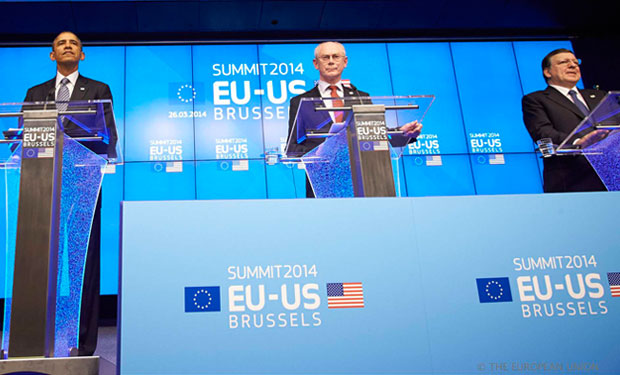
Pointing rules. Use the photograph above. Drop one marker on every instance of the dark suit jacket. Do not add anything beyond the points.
(85, 89)
(549, 114)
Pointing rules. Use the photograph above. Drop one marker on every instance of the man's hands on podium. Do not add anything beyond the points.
(591, 138)
(411, 129)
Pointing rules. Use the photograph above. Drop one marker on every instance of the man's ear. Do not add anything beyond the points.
(52, 57)
(546, 73)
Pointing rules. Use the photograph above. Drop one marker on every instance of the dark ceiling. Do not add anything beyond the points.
(251, 20)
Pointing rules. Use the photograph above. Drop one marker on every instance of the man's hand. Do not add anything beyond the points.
(411, 129)
(591, 138)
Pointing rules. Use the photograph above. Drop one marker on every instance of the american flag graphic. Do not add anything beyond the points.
(496, 159)
(345, 295)
(46, 152)
(614, 283)
(240, 165)
(174, 166)
(434, 160)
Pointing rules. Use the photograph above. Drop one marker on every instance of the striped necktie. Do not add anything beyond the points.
(63, 95)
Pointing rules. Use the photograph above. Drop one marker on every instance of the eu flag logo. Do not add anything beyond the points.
(496, 289)
(202, 298)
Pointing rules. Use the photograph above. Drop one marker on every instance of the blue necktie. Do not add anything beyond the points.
(63, 95)
(582, 107)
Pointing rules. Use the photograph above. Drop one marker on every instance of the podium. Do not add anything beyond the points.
(603, 153)
(358, 156)
(53, 167)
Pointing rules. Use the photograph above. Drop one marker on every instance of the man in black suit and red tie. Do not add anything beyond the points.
(554, 113)
(330, 59)
(69, 85)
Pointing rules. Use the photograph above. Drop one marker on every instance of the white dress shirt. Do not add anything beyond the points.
(564, 91)
(326, 92)
(71, 85)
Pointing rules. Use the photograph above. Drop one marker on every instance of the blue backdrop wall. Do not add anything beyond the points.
(197, 120)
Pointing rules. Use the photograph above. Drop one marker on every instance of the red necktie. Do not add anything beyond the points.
(337, 103)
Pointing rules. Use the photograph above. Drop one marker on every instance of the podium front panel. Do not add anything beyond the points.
(82, 175)
(11, 175)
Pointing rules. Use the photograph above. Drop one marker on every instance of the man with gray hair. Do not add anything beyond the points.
(330, 59)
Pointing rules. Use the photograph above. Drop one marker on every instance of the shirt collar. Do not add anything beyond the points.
(72, 78)
(324, 87)
(563, 90)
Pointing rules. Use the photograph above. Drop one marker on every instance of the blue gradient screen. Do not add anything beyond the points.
(198, 120)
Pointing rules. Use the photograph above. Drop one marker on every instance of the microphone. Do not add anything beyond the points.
(52, 93)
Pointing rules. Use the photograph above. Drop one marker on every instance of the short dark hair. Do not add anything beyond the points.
(546, 62)
(66, 31)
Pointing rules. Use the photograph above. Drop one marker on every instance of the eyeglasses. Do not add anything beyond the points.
(569, 61)
(336, 58)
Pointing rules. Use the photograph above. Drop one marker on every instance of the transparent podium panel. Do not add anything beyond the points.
(90, 122)
(55, 155)
(11, 168)
(315, 120)
(601, 128)
(319, 138)
(329, 168)
(82, 176)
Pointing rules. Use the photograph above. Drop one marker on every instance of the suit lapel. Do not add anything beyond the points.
(560, 99)
(592, 98)
(80, 89)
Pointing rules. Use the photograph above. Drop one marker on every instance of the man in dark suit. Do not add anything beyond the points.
(67, 53)
(554, 113)
(330, 60)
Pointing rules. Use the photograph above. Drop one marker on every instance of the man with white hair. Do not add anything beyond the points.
(330, 59)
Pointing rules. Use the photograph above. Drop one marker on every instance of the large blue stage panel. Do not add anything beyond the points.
(427, 69)
(230, 179)
(490, 94)
(228, 123)
(159, 100)
(449, 285)
(368, 68)
(286, 71)
(285, 181)
(107, 64)
(112, 190)
(438, 175)
(160, 180)
(506, 173)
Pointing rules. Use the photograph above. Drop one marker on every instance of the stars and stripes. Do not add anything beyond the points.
(434, 161)
(345, 295)
(497, 159)
(614, 283)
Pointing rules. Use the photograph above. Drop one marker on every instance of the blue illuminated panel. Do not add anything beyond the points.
(160, 181)
(160, 102)
(231, 179)
(506, 173)
(285, 181)
(426, 69)
(490, 94)
(438, 175)
(368, 68)
(112, 191)
(107, 64)
(529, 60)
(288, 71)
(228, 125)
